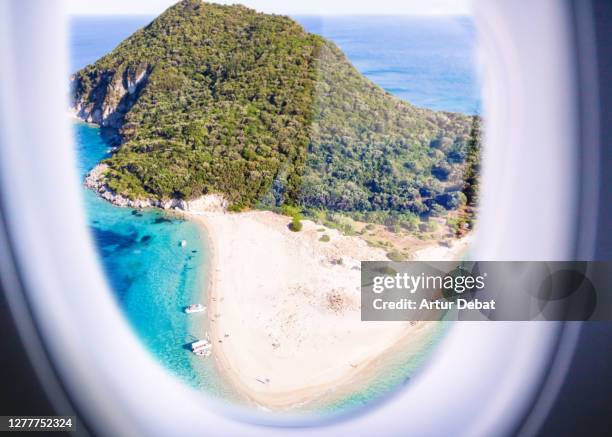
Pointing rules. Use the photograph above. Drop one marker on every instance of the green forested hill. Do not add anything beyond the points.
(222, 99)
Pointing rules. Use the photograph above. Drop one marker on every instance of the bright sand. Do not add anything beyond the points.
(284, 309)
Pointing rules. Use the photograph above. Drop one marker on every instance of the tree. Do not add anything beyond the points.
(296, 224)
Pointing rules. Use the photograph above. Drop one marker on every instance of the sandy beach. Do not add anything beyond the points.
(284, 309)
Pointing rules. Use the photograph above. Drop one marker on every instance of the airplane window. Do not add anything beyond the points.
(239, 165)
(260, 194)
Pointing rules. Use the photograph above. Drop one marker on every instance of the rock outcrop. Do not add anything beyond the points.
(206, 203)
(112, 94)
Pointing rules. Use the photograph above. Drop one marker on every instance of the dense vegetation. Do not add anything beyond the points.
(223, 99)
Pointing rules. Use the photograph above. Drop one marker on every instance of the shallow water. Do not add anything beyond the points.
(152, 276)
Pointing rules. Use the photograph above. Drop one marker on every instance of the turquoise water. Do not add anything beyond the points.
(427, 61)
(153, 277)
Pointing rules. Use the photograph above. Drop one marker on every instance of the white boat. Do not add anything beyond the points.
(201, 348)
(183, 243)
(195, 308)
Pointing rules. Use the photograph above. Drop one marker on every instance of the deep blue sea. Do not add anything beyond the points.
(429, 62)
(426, 61)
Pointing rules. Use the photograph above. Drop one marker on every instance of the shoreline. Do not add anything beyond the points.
(326, 385)
(363, 370)
(353, 363)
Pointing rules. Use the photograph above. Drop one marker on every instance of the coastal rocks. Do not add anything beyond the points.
(95, 181)
(208, 203)
(105, 98)
(94, 177)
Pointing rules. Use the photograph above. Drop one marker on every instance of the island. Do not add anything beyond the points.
(297, 167)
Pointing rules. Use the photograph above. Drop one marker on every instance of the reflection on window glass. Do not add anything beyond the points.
(238, 166)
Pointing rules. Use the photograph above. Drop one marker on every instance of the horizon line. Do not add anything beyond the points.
(308, 14)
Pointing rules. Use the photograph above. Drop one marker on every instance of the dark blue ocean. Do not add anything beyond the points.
(426, 61)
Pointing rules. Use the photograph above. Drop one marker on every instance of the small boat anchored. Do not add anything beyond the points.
(195, 308)
(202, 348)
(183, 243)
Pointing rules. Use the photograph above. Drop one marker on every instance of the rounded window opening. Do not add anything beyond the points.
(238, 167)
